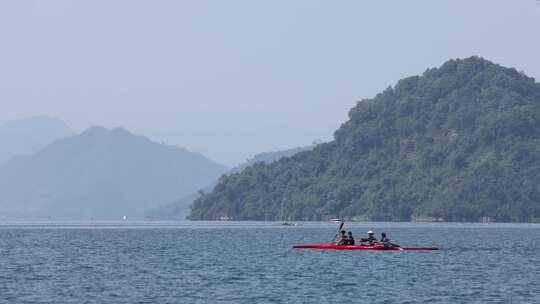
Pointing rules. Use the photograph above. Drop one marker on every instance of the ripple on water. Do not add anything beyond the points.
(253, 263)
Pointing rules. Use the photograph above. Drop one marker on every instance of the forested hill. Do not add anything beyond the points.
(458, 143)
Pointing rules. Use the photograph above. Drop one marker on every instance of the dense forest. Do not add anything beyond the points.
(459, 143)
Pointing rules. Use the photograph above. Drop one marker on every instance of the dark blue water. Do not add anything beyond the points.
(253, 263)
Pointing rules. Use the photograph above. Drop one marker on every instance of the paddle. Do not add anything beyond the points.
(394, 245)
(337, 233)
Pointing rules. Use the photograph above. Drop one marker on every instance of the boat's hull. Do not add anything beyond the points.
(360, 247)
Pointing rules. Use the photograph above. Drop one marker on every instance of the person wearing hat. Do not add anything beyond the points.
(371, 239)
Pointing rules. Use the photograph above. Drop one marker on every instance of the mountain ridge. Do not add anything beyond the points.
(29, 135)
(179, 209)
(457, 143)
(100, 174)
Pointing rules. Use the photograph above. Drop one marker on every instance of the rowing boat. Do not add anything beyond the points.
(361, 247)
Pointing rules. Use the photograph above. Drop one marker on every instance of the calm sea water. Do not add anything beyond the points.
(253, 263)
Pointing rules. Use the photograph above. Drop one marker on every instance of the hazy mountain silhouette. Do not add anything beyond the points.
(101, 174)
(28, 136)
(179, 209)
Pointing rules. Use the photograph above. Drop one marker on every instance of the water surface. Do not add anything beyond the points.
(250, 262)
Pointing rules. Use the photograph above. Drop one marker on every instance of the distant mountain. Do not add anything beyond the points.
(459, 143)
(100, 174)
(179, 209)
(28, 136)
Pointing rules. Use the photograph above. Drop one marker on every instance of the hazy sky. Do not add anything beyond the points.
(233, 78)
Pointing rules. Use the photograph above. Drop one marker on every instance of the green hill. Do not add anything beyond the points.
(458, 143)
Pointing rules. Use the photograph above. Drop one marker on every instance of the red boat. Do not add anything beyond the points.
(361, 247)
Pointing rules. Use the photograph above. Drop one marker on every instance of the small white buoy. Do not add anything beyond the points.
(124, 217)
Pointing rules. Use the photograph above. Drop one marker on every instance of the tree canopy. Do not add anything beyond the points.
(458, 143)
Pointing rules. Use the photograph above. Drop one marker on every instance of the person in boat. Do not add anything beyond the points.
(343, 238)
(371, 239)
(350, 238)
(384, 240)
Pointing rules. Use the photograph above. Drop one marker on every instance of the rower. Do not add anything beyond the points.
(371, 239)
(384, 240)
(350, 238)
(343, 240)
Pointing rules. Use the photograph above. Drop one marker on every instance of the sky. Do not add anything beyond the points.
(234, 78)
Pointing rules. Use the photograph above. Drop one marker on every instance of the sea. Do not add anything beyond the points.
(253, 262)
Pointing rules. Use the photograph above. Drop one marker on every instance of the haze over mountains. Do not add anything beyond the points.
(100, 174)
(179, 209)
(29, 135)
(459, 143)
